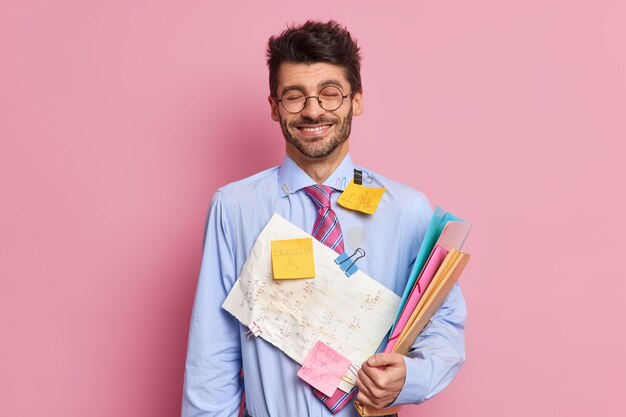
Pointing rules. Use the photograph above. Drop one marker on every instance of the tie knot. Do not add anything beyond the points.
(320, 194)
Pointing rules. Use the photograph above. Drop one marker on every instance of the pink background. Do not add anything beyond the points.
(121, 118)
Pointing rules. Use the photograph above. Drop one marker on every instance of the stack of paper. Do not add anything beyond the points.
(275, 298)
(437, 268)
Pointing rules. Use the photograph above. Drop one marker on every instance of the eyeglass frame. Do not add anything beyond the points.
(306, 98)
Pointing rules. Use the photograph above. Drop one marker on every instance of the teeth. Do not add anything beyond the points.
(314, 129)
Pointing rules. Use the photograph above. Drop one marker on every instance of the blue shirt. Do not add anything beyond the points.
(217, 349)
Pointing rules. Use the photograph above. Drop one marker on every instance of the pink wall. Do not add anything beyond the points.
(120, 119)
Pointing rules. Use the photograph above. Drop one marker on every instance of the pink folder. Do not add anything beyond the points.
(430, 269)
(454, 235)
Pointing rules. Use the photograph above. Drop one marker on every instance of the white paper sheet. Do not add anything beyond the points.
(350, 314)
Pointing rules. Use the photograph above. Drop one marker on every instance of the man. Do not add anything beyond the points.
(315, 90)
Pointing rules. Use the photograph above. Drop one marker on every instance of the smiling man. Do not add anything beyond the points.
(315, 132)
(315, 90)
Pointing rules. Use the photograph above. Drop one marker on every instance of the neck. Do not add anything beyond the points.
(319, 169)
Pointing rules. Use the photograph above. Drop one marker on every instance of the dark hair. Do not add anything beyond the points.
(314, 42)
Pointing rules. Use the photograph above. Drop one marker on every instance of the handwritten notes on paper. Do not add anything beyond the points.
(351, 315)
(323, 368)
(293, 258)
(360, 198)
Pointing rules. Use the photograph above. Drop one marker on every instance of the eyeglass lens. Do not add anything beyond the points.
(329, 98)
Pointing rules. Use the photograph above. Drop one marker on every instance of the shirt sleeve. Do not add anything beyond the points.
(213, 386)
(438, 352)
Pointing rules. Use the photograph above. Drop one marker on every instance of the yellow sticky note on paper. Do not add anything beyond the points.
(360, 198)
(293, 258)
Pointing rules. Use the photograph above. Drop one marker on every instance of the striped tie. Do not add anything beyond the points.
(326, 228)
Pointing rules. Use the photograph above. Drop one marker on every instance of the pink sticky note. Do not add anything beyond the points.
(323, 368)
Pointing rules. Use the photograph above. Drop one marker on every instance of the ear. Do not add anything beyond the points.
(274, 108)
(357, 104)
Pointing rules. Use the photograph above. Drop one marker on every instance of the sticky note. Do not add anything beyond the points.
(293, 258)
(361, 198)
(323, 368)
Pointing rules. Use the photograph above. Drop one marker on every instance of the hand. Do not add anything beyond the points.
(381, 379)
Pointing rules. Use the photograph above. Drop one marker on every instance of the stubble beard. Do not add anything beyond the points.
(321, 149)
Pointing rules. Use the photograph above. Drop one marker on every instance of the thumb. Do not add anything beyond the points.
(384, 359)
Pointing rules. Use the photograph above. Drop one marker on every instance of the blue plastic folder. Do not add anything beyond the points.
(437, 224)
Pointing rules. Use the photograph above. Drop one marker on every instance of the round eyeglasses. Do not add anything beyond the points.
(330, 98)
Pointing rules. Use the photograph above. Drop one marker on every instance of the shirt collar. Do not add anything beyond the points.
(292, 178)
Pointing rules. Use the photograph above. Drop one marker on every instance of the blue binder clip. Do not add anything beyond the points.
(344, 263)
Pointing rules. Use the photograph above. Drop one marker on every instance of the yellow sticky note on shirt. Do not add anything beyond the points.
(360, 198)
(293, 258)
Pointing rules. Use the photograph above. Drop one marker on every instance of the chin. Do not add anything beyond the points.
(314, 148)
(323, 150)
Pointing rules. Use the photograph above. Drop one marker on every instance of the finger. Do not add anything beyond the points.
(367, 396)
(364, 395)
(384, 359)
(365, 379)
(370, 376)
(371, 395)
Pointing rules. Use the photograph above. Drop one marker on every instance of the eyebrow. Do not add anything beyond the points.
(320, 85)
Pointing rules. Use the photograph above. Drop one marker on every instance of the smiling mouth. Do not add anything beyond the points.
(314, 130)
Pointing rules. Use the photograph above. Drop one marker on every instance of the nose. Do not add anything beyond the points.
(312, 109)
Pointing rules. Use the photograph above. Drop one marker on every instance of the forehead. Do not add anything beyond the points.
(310, 77)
